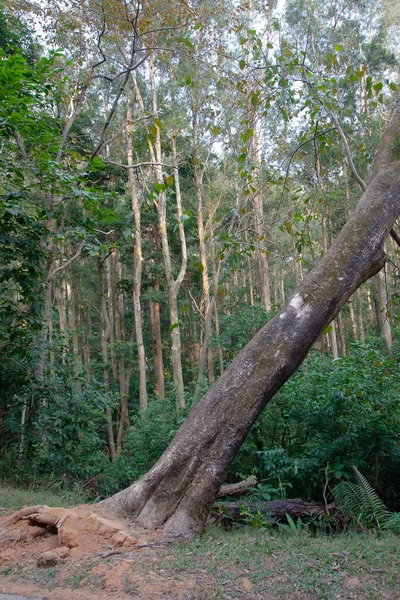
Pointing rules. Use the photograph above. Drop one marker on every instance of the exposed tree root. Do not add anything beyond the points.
(55, 534)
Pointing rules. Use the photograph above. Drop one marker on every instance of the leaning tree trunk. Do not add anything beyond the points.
(178, 492)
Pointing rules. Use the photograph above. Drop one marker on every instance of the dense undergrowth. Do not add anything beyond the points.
(331, 415)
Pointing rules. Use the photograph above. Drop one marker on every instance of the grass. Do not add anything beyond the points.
(13, 498)
(246, 563)
(279, 567)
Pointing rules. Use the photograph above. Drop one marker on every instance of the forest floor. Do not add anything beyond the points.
(246, 563)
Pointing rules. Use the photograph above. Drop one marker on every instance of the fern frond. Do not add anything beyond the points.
(349, 499)
(374, 509)
(360, 503)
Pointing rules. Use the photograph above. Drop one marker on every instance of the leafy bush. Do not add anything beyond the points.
(63, 437)
(343, 412)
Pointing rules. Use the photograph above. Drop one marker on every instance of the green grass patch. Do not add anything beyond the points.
(231, 564)
(14, 498)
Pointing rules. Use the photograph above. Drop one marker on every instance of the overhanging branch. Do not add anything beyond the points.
(68, 262)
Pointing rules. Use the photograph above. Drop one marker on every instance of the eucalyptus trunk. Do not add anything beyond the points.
(137, 269)
(173, 284)
(105, 336)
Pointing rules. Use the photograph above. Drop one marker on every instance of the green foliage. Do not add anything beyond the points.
(393, 523)
(238, 328)
(62, 438)
(16, 37)
(151, 433)
(344, 412)
(21, 258)
(360, 503)
(255, 518)
(291, 528)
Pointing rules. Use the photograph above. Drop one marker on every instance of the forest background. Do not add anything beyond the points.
(168, 175)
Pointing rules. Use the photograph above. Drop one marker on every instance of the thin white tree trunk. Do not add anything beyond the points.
(137, 269)
(173, 285)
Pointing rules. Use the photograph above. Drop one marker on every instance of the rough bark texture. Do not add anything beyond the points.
(205, 298)
(178, 492)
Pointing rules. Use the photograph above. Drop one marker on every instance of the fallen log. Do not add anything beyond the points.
(230, 489)
(277, 509)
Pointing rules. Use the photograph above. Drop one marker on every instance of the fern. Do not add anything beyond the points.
(393, 523)
(360, 503)
(374, 508)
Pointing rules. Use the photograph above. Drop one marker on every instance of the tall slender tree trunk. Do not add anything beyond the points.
(111, 300)
(342, 335)
(124, 414)
(359, 315)
(205, 283)
(40, 366)
(105, 336)
(382, 304)
(86, 345)
(173, 285)
(353, 320)
(254, 161)
(258, 211)
(137, 269)
(154, 307)
(332, 334)
(60, 298)
(72, 297)
(220, 354)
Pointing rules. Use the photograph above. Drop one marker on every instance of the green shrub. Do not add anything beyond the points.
(344, 412)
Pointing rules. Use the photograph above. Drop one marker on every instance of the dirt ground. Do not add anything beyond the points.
(57, 550)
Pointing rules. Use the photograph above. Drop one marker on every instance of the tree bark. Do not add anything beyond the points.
(277, 509)
(123, 392)
(173, 285)
(105, 336)
(382, 312)
(60, 297)
(206, 354)
(232, 489)
(360, 320)
(72, 293)
(253, 153)
(137, 270)
(156, 325)
(342, 335)
(86, 345)
(111, 300)
(179, 490)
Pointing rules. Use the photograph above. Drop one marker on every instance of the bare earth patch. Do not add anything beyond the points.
(67, 532)
(78, 542)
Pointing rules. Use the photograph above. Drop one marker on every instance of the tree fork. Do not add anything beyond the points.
(180, 489)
